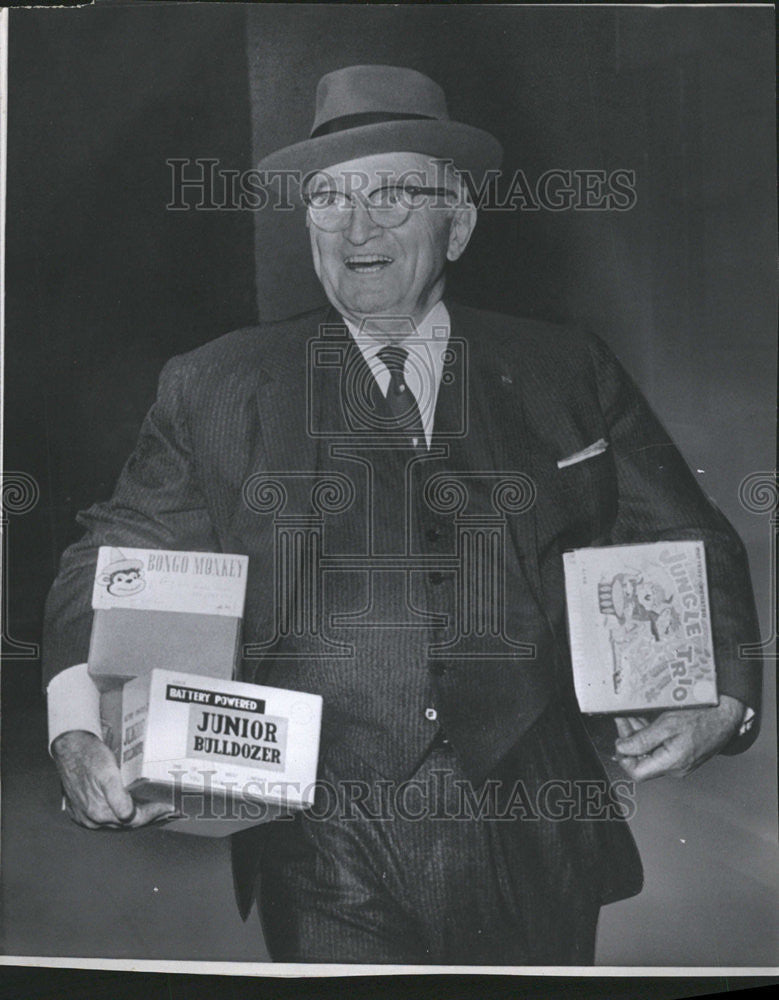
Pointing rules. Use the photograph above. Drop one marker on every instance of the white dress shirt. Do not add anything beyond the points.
(426, 346)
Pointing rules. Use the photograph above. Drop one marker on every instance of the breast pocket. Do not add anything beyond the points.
(585, 497)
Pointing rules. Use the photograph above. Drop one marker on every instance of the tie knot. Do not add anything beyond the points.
(395, 360)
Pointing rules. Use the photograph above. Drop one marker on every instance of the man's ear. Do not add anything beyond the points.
(461, 227)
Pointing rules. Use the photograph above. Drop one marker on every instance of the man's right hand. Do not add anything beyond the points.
(94, 794)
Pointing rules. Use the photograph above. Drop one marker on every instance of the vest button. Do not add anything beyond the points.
(430, 714)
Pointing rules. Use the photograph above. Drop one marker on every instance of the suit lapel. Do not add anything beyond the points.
(498, 422)
(280, 442)
(295, 401)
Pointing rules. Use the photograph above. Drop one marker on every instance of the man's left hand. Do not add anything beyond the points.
(677, 742)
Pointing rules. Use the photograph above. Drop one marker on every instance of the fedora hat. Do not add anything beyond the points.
(364, 110)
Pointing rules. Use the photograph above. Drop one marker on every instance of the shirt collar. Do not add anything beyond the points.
(425, 367)
(428, 343)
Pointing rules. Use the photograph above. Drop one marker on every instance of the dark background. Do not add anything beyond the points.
(104, 284)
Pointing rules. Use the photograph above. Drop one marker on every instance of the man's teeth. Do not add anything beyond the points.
(364, 261)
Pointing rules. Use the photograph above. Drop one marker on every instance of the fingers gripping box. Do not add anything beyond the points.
(224, 754)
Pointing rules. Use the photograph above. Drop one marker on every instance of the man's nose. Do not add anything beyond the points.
(361, 226)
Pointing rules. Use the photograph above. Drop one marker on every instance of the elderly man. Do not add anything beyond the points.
(441, 650)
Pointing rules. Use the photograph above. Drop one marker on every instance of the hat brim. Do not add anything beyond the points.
(472, 150)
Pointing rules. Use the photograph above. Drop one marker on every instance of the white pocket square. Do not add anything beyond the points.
(597, 448)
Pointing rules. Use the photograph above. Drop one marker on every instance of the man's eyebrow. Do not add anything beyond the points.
(400, 185)
(397, 184)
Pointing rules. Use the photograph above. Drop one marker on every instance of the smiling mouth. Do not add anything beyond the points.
(367, 263)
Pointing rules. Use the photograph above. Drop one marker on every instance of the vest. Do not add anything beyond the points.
(416, 616)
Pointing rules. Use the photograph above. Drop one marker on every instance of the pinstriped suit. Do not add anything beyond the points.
(536, 393)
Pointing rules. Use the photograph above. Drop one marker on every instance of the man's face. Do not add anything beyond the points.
(367, 270)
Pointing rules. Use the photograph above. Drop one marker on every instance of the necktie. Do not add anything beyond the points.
(400, 399)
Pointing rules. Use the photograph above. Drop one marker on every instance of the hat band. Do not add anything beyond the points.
(364, 118)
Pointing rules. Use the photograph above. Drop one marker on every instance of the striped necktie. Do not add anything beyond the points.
(400, 399)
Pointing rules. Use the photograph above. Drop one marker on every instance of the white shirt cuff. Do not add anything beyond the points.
(73, 703)
(746, 722)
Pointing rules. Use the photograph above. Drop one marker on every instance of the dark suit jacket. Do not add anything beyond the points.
(537, 393)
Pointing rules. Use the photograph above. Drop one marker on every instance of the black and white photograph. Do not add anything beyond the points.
(389, 498)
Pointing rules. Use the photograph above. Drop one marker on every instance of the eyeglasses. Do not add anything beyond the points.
(387, 207)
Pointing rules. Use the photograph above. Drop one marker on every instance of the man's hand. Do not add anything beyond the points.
(676, 742)
(94, 794)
